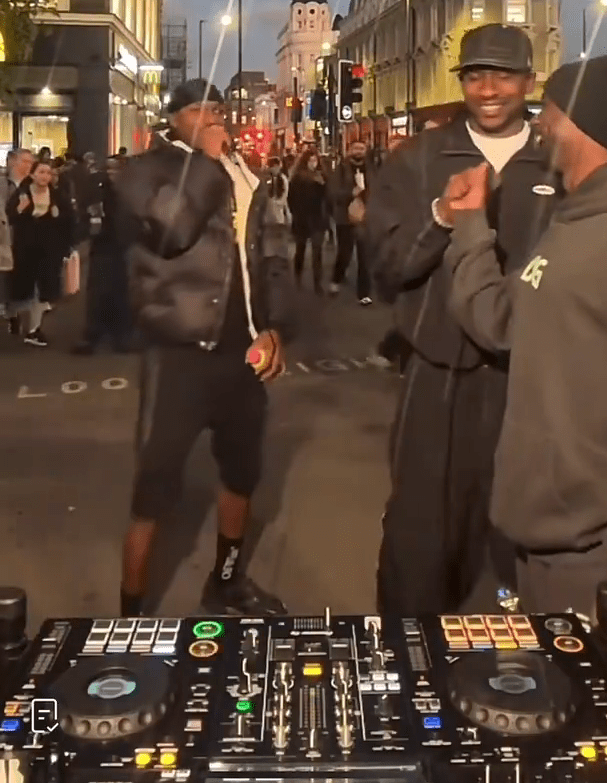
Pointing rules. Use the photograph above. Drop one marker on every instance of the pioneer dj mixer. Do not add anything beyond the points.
(476, 699)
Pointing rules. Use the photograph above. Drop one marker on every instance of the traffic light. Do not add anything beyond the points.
(318, 104)
(349, 85)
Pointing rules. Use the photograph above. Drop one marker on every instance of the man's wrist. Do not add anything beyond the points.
(437, 217)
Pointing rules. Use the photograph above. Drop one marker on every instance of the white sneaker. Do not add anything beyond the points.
(365, 301)
(334, 289)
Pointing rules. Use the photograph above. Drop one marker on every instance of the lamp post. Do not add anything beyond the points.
(603, 5)
(239, 64)
(200, 24)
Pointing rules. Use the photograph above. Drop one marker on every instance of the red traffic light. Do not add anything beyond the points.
(358, 71)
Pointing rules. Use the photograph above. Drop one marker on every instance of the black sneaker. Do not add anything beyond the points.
(239, 596)
(36, 338)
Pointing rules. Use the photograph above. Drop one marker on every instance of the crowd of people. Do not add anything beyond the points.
(486, 235)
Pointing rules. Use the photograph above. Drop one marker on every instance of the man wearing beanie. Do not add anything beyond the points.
(210, 287)
(550, 484)
(435, 527)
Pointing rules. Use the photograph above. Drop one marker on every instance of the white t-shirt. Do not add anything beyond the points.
(497, 149)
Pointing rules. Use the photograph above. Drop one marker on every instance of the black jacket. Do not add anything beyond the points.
(341, 184)
(406, 246)
(179, 235)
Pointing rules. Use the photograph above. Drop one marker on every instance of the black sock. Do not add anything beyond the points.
(130, 605)
(228, 555)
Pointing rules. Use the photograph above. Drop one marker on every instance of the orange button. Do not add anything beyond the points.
(478, 635)
(474, 621)
(519, 621)
(502, 634)
(455, 635)
(496, 621)
(451, 621)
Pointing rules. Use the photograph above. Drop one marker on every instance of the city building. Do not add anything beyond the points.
(254, 84)
(266, 110)
(92, 82)
(174, 54)
(307, 36)
(407, 77)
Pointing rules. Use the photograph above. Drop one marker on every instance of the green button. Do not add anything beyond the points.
(244, 706)
(207, 629)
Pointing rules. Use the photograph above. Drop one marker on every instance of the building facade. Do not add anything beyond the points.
(93, 80)
(254, 84)
(307, 36)
(174, 54)
(409, 46)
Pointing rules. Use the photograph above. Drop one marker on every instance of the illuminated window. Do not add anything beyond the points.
(516, 11)
(478, 10)
(2, 51)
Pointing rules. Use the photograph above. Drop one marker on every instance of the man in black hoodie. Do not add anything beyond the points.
(211, 290)
(550, 485)
(450, 410)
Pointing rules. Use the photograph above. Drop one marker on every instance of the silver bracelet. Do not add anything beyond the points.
(437, 218)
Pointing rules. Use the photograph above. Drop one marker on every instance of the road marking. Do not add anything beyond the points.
(316, 367)
(115, 384)
(24, 394)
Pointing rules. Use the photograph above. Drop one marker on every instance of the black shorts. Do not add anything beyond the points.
(185, 390)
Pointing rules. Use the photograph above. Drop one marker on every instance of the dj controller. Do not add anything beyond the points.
(452, 699)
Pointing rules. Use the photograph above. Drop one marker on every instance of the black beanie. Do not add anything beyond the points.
(192, 91)
(589, 108)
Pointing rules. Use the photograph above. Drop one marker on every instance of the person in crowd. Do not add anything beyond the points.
(308, 205)
(549, 490)
(108, 312)
(123, 152)
(45, 155)
(278, 193)
(6, 252)
(210, 286)
(435, 526)
(350, 181)
(42, 225)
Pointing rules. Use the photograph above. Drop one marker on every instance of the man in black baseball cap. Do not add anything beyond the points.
(211, 283)
(550, 489)
(436, 520)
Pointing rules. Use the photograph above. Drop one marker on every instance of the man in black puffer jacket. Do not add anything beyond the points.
(210, 286)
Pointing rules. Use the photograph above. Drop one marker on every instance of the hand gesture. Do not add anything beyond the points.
(24, 202)
(266, 356)
(468, 190)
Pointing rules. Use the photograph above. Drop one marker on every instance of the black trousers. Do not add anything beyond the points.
(435, 527)
(347, 240)
(316, 240)
(108, 312)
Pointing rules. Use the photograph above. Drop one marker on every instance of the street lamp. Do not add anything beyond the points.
(226, 20)
(239, 63)
(200, 24)
(603, 4)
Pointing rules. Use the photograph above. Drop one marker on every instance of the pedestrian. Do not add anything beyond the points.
(211, 290)
(42, 230)
(108, 312)
(349, 181)
(307, 200)
(435, 526)
(279, 193)
(549, 490)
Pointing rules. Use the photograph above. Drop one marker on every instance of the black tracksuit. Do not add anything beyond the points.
(451, 407)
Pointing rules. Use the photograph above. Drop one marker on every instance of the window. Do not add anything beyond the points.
(516, 11)
(478, 10)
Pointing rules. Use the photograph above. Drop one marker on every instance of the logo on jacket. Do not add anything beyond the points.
(543, 190)
(534, 271)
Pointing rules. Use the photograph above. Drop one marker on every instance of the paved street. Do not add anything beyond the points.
(66, 465)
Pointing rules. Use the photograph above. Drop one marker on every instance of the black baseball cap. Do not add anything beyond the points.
(499, 46)
(192, 91)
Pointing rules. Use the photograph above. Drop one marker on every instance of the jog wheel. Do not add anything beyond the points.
(112, 697)
(512, 693)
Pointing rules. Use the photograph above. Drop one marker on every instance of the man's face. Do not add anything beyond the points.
(23, 165)
(195, 123)
(496, 99)
(357, 151)
(557, 135)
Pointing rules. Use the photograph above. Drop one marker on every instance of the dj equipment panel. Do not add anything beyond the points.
(470, 699)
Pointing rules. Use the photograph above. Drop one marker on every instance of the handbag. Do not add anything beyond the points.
(71, 274)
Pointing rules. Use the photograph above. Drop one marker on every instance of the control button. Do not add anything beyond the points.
(378, 676)
(589, 752)
(568, 644)
(519, 621)
(104, 728)
(393, 676)
(143, 759)
(244, 706)
(558, 626)
(365, 687)
(126, 726)
(502, 721)
(208, 629)
(451, 621)
(475, 622)
(432, 722)
(83, 727)
(394, 687)
(497, 622)
(379, 687)
(203, 649)
(168, 759)
(312, 670)
(12, 724)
